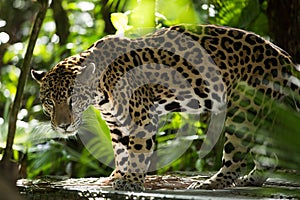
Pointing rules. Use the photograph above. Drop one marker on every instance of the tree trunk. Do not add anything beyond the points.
(284, 25)
(7, 166)
(105, 11)
(61, 20)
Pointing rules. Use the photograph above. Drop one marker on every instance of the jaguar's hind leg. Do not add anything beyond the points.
(233, 163)
(238, 140)
(264, 162)
(264, 159)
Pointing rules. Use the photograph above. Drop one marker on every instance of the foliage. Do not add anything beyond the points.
(87, 23)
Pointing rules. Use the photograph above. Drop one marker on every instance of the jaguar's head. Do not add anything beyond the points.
(64, 93)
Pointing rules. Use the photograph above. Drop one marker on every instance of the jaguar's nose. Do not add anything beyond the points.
(64, 126)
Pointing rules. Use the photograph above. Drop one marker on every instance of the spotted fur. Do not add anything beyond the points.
(190, 69)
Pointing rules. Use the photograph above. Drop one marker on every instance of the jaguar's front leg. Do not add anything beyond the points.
(133, 133)
(132, 159)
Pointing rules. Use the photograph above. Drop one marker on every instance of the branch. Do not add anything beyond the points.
(8, 152)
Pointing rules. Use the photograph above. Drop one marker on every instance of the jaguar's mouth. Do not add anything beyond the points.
(66, 132)
(70, 133)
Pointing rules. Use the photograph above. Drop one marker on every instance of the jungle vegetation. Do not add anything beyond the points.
(72, 26)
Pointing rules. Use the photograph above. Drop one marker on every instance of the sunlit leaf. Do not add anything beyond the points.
(185, 11)
(120, 22)
(8, 56)
(95, 136)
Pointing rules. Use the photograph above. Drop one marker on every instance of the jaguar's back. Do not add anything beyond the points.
(183, 68)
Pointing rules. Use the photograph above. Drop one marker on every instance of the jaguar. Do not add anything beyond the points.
(183, 68)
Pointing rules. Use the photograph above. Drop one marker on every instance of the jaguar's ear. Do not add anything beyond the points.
(86, 73)
(38, 75)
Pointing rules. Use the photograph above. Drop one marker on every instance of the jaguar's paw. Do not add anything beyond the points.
(250, 180)
(207, 185)
(125, 185)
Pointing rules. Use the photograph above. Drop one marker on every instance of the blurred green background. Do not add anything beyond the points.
(72, 26)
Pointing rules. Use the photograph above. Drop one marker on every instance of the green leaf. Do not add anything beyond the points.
(95, 135)
(8, 56)
(249, 14)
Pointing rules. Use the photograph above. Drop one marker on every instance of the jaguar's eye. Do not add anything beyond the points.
(49, 102)
(72, 101)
